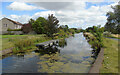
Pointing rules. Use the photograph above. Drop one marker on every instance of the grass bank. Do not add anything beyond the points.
(110, 63)
(22, 42)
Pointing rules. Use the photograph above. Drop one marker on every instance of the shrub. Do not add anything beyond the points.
(13, 29)
(96, 40)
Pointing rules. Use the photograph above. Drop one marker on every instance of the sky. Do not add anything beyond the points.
(78, 14)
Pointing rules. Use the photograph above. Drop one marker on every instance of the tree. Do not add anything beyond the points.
(113, 20)
(39, 25)
(52, 25)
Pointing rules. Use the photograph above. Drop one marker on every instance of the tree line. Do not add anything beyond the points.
(49, 26)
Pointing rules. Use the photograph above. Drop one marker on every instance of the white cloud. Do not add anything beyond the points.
(21, 6)
(73, 14)
(22, 19)
(42, 14)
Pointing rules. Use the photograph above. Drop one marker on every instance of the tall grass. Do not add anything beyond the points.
(28, 42)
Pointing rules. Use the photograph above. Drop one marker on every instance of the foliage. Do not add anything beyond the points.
(97, 32)
(79, 30)
(31, 21)
(72, 30)
(52, 25)
(113, 20)
(27, 28)
(39, 25)
(13, 29)
(64, 27)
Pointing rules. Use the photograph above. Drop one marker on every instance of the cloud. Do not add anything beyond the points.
(26, 18)
(21, 6)
(52, 5)
(22, 19)
(73, 14)
(42, 14)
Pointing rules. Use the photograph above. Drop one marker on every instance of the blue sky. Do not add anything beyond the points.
(89, 4)
(7, 12)
(75, 14)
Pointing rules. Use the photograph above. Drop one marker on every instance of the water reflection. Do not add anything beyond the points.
(62, 43)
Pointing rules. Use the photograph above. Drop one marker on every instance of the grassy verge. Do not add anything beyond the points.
(22, 42)
(110, 64)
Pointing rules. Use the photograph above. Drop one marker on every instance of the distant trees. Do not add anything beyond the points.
(41, 25)
(64, 27)
(113, 20)
(49, 26)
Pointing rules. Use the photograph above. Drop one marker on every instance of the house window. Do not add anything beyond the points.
(6, 25)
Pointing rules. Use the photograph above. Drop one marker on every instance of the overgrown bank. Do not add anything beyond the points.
(22, 43)
(94, 35)
(110, 62)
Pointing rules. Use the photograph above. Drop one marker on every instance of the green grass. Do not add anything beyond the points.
(110, 63)
(8, 36)
(9, 41)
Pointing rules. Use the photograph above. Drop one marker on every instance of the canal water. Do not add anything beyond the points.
(70, 55)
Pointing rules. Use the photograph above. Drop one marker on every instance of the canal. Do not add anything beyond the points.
(71, 55)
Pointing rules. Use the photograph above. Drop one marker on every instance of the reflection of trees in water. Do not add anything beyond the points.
(49, 50)
(95, 53)
(62, 43)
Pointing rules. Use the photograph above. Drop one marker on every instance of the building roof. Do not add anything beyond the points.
(13, 21)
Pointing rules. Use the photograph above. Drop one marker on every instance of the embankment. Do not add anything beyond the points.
(95, 68)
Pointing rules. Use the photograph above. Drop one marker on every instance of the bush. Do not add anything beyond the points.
(13, 29)
(27, 28)
(97, 39)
